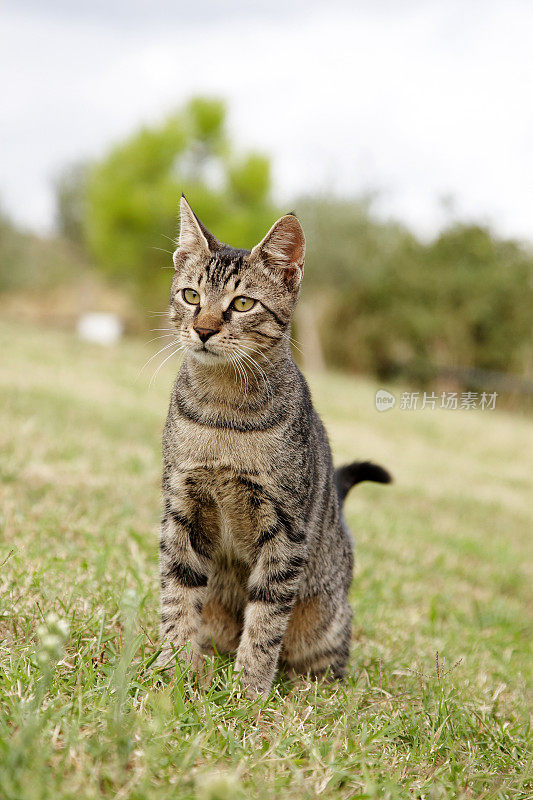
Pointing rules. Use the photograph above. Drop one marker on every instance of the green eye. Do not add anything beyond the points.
(191, 296)
(243, 303)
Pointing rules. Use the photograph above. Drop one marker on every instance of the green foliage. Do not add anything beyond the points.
(133, 194)
(392, 303)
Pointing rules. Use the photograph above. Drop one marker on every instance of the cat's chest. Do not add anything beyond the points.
(192, 446)
(226, 507)
(223, 469)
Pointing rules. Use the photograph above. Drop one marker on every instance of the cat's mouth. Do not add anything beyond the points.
(205, 354)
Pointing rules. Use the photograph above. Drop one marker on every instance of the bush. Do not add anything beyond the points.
(394, 304)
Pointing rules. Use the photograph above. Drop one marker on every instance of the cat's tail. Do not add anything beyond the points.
(347, 476)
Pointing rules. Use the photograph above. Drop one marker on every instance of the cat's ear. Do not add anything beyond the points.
(194, 237)
(283, 248)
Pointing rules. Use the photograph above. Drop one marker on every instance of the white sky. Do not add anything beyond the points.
(416, 99)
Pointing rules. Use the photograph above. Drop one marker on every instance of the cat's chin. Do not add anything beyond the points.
(207, 357)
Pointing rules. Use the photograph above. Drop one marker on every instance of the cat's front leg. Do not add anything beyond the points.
(273, 586)
(184, 568)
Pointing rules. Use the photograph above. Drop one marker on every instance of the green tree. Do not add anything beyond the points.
(132, 196)
(390, 304)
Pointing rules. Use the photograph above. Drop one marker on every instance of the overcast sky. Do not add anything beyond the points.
(417, 99)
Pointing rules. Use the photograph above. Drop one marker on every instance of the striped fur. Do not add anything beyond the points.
(255, 557)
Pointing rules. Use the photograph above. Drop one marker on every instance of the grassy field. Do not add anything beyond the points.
(435, 705)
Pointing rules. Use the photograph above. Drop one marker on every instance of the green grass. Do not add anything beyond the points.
(435, 705)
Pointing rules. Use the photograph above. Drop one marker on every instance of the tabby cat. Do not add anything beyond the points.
(255, 555)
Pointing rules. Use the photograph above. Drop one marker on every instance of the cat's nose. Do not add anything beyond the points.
(205, 333)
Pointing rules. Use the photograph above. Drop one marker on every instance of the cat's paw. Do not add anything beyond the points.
(204, 671)
(187, 656)
(253, 683)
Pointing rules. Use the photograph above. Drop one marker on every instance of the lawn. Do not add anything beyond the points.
(436, 702)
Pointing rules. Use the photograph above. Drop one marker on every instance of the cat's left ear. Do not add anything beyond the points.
(283, 250)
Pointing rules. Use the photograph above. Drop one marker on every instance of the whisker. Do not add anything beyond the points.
(170, 239)
(243, 377)
(154, 376)
(163, 336)
(232, 358)
(248, 346)
(166, 347)
(162, 249)
(292, 341)
(242, 372)
(249, 357)
(253, 363)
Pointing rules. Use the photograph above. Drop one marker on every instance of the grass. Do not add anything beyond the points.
(435, 705)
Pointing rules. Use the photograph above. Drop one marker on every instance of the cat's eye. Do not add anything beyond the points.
(243, 303)
(191, 296)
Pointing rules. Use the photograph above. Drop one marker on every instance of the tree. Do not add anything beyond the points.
(132, 196)
(388, 303)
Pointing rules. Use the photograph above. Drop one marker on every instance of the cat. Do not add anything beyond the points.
(255, 555)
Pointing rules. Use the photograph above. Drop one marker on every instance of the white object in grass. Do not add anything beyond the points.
(100, 328)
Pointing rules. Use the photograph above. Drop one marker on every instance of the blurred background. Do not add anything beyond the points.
(399, 132)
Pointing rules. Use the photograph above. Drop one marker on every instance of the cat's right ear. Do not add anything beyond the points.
(194, 238)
